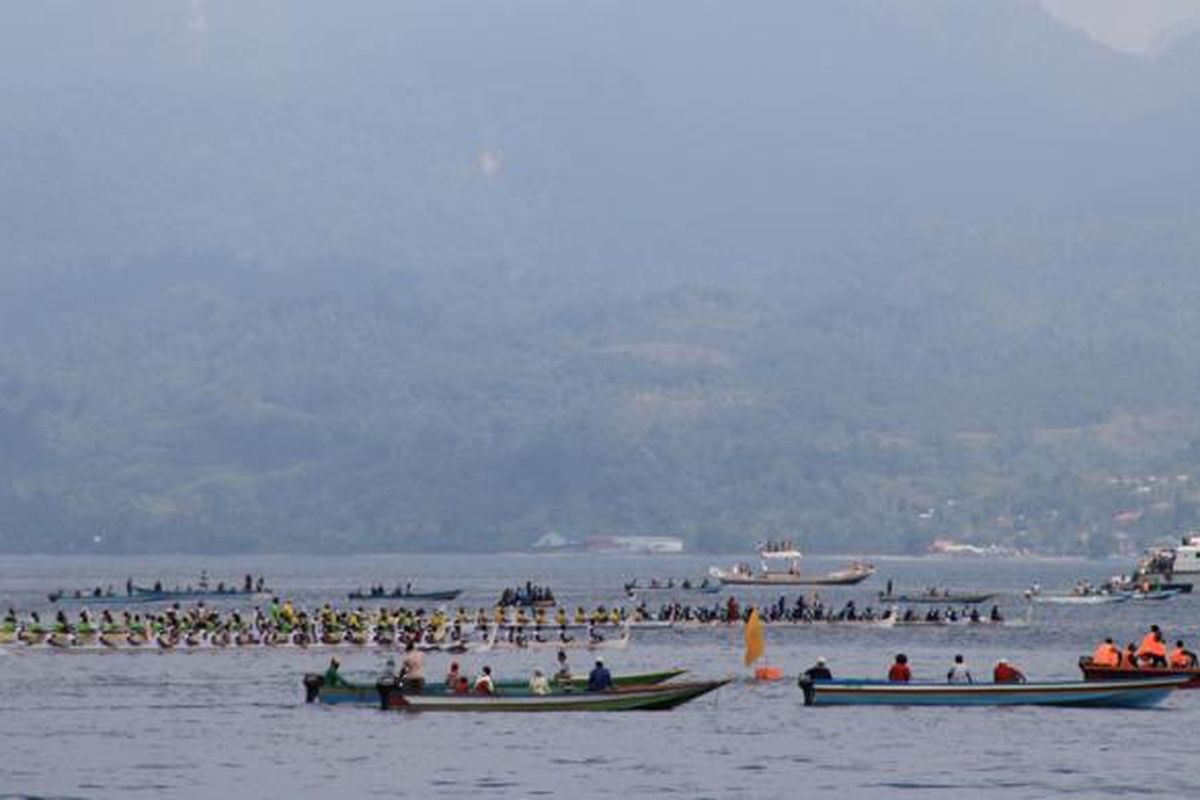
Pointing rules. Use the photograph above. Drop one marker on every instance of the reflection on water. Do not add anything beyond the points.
(199, 724)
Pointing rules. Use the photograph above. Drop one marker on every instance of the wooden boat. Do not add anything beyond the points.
(581, 643)
(1134, 693)
(630, 698)
(1091, 672)
(316, 690)
(948, 598)
(142, 594)
(404, 594)
(705, 586)
(742, 575)
(1097, 599)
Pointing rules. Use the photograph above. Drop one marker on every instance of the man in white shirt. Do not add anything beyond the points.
(958, 672)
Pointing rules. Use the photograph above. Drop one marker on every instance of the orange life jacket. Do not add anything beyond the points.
(1106, 655)
(1152, 647)
(1128, 659)
(1180, 658)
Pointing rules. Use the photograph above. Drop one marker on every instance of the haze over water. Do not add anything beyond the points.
(234, 723)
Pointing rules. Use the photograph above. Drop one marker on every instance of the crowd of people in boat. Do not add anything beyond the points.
(668, 583)
(283, 622)
(527, 595)
(249, 585)
(813, 609)
(378, 591)
(1152, 652)
(900, 671)
(410, 677)
(777, 546)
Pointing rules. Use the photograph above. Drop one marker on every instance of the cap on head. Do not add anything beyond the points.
(821, 661)
(599, 662)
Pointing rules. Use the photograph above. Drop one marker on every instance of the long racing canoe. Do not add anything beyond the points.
(1137, 693)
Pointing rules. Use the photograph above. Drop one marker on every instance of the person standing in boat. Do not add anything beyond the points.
(412, 669)
(958, 672)
(1007, 673)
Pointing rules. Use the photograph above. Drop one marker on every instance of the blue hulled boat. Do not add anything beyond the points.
(1094, 694)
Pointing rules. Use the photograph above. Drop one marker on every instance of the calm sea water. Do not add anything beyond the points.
(234, 723)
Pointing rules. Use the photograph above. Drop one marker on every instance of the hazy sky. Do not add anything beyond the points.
(1130, 25)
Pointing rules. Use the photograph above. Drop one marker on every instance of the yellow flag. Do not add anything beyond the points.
(756, 638)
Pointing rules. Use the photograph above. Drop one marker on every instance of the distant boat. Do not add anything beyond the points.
(944, 598)
(743, 575)
(406, 594)
(1136, 693)
(634, 698)
(1098, 599)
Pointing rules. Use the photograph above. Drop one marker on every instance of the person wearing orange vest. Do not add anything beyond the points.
(1153, 650)
(1181, 657)
(1106, 655)
(1129, 659)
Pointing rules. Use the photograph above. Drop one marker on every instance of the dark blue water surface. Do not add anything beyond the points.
(233, 723)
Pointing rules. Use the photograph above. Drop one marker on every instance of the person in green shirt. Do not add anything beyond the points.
(332, 677)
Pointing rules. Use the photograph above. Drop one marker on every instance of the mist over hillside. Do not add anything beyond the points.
(451, 275)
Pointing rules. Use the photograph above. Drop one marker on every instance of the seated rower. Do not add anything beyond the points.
(538, 683)
(900, 671)
(819, 671)
(462, 685)
(1106, 654)
(563, 675)
(484, 683)
(599, 679)
(1181, 657)
(452, 677)
(1153, 650)
(1129, 658)
(958, 672)
(1007, 673)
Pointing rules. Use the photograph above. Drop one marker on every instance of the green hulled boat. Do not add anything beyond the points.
(367, 693)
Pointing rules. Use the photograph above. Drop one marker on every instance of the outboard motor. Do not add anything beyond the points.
(806, 686)
(312, 687)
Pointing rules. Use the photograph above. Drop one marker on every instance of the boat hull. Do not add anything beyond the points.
(1094, 673)
(449, 594)
(784, 579)
(361, 693)
(952, 599)
(639, 698)
(1137, 693)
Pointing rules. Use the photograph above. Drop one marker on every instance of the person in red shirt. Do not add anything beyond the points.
(900, 673)
(1007, 673)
